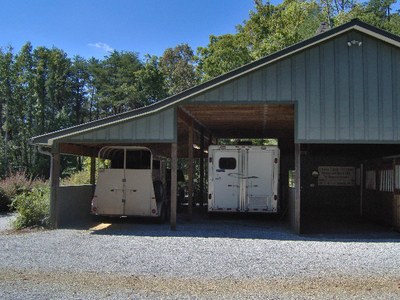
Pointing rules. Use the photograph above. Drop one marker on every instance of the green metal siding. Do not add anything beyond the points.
(158, 127)
(343, 94)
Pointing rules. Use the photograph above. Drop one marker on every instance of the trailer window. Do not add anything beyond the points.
(138, 159)
(117, 160)
(227, 163)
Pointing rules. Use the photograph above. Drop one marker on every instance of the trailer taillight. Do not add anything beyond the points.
(153, 211)
(276, 160)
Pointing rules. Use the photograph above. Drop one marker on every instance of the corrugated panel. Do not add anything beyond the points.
(343, 93)
(299, 83)
(158, 127)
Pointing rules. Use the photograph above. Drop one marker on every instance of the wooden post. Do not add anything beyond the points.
(54, 184)
(190, 171)
(361, 189)
(174, 184)
(201, 186)
(92, 170)
(297, 202)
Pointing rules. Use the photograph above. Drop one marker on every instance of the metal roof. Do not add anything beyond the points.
(180, 99)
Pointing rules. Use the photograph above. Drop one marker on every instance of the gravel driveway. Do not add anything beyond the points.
(217, 259)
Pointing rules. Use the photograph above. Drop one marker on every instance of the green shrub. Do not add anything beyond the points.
(77, 178)
(83, 176)
(13, 185)
(33, 206)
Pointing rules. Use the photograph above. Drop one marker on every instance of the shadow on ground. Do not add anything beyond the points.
(241, 227)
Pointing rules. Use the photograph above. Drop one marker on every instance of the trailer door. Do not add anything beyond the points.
(110, 192)
(226, 179)
(261, 180)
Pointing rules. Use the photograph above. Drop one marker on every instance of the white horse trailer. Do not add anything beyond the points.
(243, 178)
(133, 185)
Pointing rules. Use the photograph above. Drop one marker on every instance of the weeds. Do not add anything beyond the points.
(13, 185)
(30, 198)
(77, 178)
(33, 206)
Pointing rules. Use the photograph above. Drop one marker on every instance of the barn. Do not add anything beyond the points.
(332, 102)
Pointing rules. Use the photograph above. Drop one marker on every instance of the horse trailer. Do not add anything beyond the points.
(134, 184)
(243, 178)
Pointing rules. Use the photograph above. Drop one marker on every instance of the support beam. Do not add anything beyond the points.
(201, 187)
(174, 184)
(190, 172)
(297, 202)
(362, 189)
(76, 149)
(92, 170)
(187, 118)
(54, 185)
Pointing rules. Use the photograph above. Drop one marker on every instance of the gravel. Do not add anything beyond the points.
(223, 258)
(6, 220)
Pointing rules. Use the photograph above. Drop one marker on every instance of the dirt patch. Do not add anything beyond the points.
(106, 284)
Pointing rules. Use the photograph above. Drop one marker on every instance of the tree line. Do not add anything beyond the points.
(43, 90)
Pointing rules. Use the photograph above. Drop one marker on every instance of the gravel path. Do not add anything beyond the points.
(218, 259)
(5, 220)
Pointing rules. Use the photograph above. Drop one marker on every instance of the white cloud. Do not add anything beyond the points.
(103, 46)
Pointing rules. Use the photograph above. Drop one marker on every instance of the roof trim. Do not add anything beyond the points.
(355, 24)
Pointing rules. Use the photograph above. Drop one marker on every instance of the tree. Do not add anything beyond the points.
(269, 29)
(223, 54)
(378, 13)
(94, 69)
(23, 108)
(178, 67)
(58, 89)
(272, 28)
(115, 82)
(7, 84)
(79, 82)
(333, 8)
(150, 82)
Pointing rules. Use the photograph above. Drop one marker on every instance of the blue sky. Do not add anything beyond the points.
(93, 27)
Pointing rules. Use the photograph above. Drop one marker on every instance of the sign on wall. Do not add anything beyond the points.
(336, 176)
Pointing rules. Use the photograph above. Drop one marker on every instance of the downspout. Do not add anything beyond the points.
(53, 190)
(45, 152)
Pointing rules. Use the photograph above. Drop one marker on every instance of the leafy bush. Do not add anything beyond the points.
(13, 185)
(77, 178)
(33, 206)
